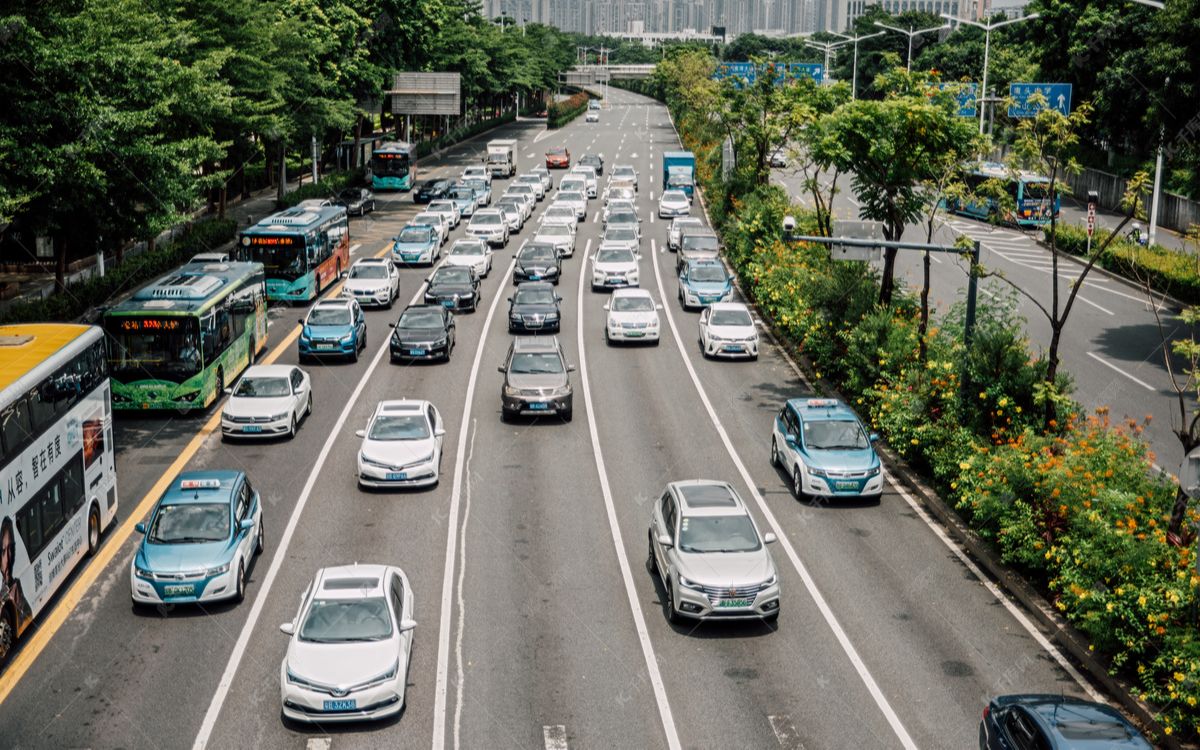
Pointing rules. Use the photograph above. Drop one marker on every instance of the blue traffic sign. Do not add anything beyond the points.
(815, 71)
(966, 94)
(748, 71)
(744, 70)
(1057, 96)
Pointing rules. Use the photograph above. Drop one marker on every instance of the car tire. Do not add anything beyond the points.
(260, 542)
(239, 594)
(292, 428)
(798, 486)
(774, 453)
(607, 339)
(568, 415)
(93, 531)
(651, 560)
(669, 603)
(308, 406)
(354, 354)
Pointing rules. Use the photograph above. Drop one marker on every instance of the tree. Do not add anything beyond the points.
(815, 142)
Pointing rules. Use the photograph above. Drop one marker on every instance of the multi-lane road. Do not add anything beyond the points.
(539, 621)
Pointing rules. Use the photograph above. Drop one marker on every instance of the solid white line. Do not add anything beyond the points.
(239, 648)
(1111, 366)
(462, 604)
(354, 249)
(555, 737)
(452, 531)
(826, 612)
(785, 732)
(639, 621)
(541, 135)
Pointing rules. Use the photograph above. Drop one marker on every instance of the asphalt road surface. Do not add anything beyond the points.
(539, 622)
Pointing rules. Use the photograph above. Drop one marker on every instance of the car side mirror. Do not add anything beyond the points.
(287, 628)
(391, 325)
(501, 369)
(874, 437)
(360, 433)
(770, 537)
(665, 540)
(406, 625)
(229, 391)
(508, 299)
(557, 298)
(140, 528)
(570, 368)
(606, 306)
(246, 524)
(300, 321)
(439, 432)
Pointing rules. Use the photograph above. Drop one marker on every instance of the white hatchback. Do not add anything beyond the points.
(402, 445)
(727, 330)
(471, 252)
(267, 401)
(632, 316)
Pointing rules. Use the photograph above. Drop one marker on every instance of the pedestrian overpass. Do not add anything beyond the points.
(585, 75)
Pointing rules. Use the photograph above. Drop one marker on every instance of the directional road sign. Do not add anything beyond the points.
(966, 93)
(748, 71)
(815, 71)
(1058, 96)
(744, 70)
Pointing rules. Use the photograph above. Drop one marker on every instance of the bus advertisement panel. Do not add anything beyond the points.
(179, 340)
(58, 480)
(393, 166)
(303, 250)
(1029, 193)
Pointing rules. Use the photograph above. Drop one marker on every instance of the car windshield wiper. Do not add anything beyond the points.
(360, 639)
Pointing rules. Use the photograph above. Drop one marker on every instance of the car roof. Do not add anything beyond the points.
(822, 409)
(689, 221)
(535, 344)
(400, 406)
(1082, 724)
(708, 497)
(729, 306)
(371, 262)
(557, 150)
(674, 192)
(355, 581)
(486, 212)
(329, 304)
(473, 241)
(418, 225)
(268, 371)
(217, 486)
(424, 306)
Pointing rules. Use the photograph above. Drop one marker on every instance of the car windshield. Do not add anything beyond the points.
(413, 234)
(674, 196)
(430, 185)
(190, 523)
(462, 194)
(482, 219)
(369, 271)
(466, 248)
(681, 224)
(263, 388)
(538, 253)
(632, 304)
(833, 435)
(342, 620)
(730, 318)
(570, 195)
(451, 275)
(559, 212)
(557, 152)
(717, 534)
(535, 296)
(621, 233)
(707, 273)
(440, 206)
(329, 316)
(399, 427)
(614, 255)
(701, 242)
(536, 363)
(476, 183)
(420, 319)
(622, 217)
(623, 194)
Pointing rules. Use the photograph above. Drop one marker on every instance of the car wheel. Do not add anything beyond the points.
(308, 406)
(774, 453)
(292, 428)
(240, 594)
(607, 338)
(568, 414)
(354, 354)
(798, 485)
(669, 603)
(262, 535)
(93, 532)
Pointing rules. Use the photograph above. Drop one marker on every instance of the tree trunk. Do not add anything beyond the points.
(282, 174)
(1052, 369)
(355, 161)
(243, 187)
(886, 283)
(1178, 513)
(60, 264)
(923, 328)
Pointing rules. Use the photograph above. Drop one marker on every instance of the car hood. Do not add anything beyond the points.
(615, 267)
(397, 452)
(465, 261)
(644, 316)
(733, 332)
(328, 332)
(420, 334)
(411, 247)
(525, 308)
(256, 407)
(621, 245)
(450, 287)
(366, 284)
(842, 460)
(726, 568)
(343, 664)
(545, 380)
(183, 558)
(536, 265)
(708, 287)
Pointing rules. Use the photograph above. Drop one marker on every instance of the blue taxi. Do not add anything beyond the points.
(703, 282)
(826, 451)
(202, 535)
(416, 243)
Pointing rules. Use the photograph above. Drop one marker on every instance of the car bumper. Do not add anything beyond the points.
(422, 475)
(408, 259)
(670, 213)
(520, 326)
(699, 606)
(255, 429)
(702, 300)
(633, 334)
(614, 282)
(534, 406)
(833, 487)
(203, 588)
(305, 705)
(419, 352)
(334, 350)
(732, 349)
(451, 303)
(490, 238)
(519, 277)
(377, 298)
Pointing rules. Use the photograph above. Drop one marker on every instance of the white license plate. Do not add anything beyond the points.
(733, 603)
(325, 347)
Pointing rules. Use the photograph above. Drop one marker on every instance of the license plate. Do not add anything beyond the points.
(346, 705)
(615, 282)
(252, 428)
(634, 334)
(447, 303)
(326, 347)
(733, 603)
(396, 477)
(535, 277)
(183, 589)
(539, 407)
(417, 352)
(732, 348)
(410, 256)
(846, 485)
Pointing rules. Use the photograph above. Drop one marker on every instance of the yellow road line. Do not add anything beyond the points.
(35, 644)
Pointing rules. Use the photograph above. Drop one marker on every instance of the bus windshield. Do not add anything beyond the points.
(389, 164)
(148, 347)
(281, 261)
(1035, 190)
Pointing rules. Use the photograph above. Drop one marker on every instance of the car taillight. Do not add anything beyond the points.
(986, 710)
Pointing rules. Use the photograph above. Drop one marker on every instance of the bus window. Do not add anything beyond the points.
(319, 249)
(15, 427)
(72, 483)
(51, 509)
(41, 409)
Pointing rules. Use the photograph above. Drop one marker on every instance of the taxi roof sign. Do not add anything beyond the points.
(200, 484)
(816, 403)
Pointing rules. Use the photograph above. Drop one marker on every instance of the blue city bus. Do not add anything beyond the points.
(1028, 191)
(393, 166)
(303, 250)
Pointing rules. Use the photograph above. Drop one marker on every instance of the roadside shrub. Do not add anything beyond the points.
(1171, 271)
(559, 113)
(456, 135)
(330, 185)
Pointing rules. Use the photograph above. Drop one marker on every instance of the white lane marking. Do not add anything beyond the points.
(1111, 366)
(651, 192)
(555, 737)
(443, 661)
(319, 743)
(809, 583)
(462, 604)
(239, 648)
(785, 732)
(541, 135)
(651, 217)
(354, 249)
(529, 155)
(597, 216)
(639, 620)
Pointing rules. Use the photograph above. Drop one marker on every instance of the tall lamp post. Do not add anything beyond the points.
(910, 32)
(987, 44)
(854, 76)
(827, 48)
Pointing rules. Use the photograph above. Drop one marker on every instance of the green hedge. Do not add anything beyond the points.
(1170, 271)
(560, 113)
(136, 270)
(644, 86)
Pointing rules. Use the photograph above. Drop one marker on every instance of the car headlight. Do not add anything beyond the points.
(614, 323)
(771, 581)
(142, 573)
(689, 583)
(515, 317)
(220, 569)
(562, 390)
(817, 472)
(296, 679)
(388, 675)
(438, 342)
(510, 391)
(653, 323)
(372, 462)
(873, 472)
(348, 338)
(279, 416)
(598, 276)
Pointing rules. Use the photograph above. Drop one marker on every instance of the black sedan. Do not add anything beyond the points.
(431, 190)
(592, 160)
(453, 287)
(537, 261)
(423, 332)
(356, 200)
(533, 308)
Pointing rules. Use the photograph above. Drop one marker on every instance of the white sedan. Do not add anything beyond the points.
(727, 330)
(402, 445)
(471, 252)
(632, 316)
(350, 644)
(561, 235)
(448, 209)
(268, 401)
(372, 281)
(560, 213)
(614, 267)
(441, 222)
(575, 199)
(673, 203)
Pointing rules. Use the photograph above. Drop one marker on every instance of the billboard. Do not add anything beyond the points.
(426, 94)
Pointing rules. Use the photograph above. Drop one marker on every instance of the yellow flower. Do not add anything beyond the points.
(983, 394)
(1002, 402)
(1180, 676)
(914, 441)
(1191, 700)
(964, 465)
(1108, 606)
(1142, 600)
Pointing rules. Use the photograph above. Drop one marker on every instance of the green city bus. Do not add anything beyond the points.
(180, 339)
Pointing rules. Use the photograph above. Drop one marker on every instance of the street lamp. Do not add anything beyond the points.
(856, 39)
(827, 48)
(987, 43)
(910, 32)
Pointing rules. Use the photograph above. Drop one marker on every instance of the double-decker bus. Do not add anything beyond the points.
(304, 250)
(393, 166)
(58, 477)
(1030, 194)
(178, 340)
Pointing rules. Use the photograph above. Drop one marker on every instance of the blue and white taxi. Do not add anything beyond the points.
(202, 535)
(825, 450)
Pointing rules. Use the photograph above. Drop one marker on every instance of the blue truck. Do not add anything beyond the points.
(679, 171)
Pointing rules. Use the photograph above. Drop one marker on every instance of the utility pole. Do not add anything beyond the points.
(987, 44)
(854, 76)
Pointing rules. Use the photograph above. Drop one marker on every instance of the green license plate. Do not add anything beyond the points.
(846, 485)
(187, 589)
(734, 603)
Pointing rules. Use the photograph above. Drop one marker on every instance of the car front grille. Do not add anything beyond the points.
(534, 321)
(636, 326)
(249, 420)
(732, 592)
(845, 474)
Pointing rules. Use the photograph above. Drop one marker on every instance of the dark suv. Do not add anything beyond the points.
(1012, 722)
(536, 379)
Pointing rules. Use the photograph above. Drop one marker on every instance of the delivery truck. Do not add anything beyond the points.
(679, 171)
(501, 159)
